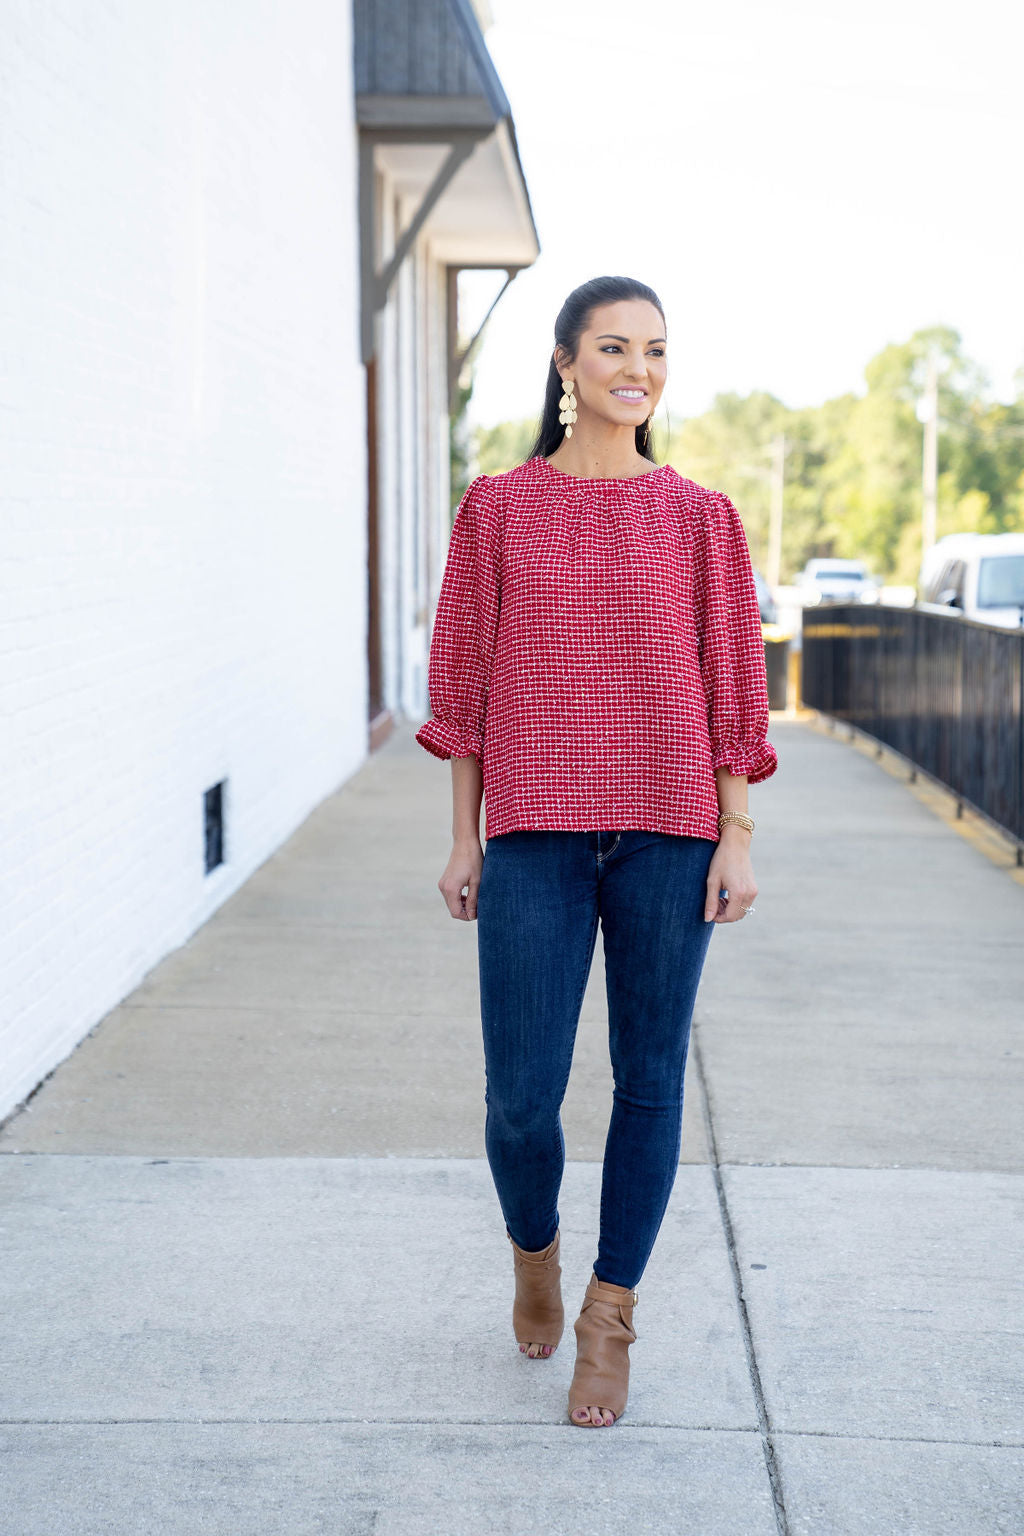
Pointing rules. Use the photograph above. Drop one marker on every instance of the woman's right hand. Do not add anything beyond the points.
(462, 870)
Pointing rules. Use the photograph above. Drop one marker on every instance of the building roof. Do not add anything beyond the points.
(424, 48)
(423, 77)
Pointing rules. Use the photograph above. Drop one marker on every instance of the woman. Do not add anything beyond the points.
(597, 675)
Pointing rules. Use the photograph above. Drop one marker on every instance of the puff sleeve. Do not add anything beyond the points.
(731, 646)
(465, 628)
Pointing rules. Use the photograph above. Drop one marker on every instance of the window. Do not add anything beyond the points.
(1001, 581)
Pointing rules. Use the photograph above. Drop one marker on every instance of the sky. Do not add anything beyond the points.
(801, 182)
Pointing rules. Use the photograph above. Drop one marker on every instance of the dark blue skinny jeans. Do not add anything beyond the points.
(541, 897)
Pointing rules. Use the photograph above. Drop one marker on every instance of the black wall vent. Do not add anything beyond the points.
(213, 823)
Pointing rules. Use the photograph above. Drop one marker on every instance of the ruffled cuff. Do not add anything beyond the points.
(446, 741)
(756, 757)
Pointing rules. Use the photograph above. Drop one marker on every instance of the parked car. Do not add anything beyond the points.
(765, 601)
(832, 580)
(976, 576)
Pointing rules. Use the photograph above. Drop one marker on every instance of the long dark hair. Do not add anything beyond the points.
(570, 323)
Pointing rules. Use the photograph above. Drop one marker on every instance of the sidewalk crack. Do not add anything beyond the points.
(763, 1421)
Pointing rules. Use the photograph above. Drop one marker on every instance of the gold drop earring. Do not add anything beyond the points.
(567, 406)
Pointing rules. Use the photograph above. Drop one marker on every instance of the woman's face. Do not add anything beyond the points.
(622, 349)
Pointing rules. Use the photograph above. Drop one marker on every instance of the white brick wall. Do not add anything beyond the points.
(182, 477)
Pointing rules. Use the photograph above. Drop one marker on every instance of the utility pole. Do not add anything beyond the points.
(778, 486)
(930, 461)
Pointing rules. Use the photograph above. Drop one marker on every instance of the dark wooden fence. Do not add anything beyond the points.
(945, 692)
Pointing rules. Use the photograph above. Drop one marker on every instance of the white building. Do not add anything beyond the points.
(230, 246)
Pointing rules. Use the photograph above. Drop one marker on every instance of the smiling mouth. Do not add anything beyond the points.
(633, 394)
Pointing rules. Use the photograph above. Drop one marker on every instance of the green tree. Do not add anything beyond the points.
(501, 447)
(460, 443)
(728, 450)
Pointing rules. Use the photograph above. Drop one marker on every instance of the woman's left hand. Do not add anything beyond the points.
(730, 868)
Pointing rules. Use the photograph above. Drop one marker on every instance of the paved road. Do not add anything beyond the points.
(256, 1280)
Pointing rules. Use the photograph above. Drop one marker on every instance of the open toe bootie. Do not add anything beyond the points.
(538, 1316)
(604, 1332)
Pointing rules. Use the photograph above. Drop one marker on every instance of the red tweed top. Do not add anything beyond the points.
(597, 646)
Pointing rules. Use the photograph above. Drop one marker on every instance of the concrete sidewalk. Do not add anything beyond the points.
(256, 1278)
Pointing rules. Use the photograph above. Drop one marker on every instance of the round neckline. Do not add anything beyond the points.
(600, 479)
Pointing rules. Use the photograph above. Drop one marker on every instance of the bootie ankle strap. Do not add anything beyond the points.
(618, 1295)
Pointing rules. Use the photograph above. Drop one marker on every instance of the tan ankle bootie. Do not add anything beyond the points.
(538, 1316)
(604, 1332)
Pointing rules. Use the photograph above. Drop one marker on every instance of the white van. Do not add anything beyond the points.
(978, 575)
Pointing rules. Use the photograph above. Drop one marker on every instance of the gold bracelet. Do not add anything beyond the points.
(739, 817)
